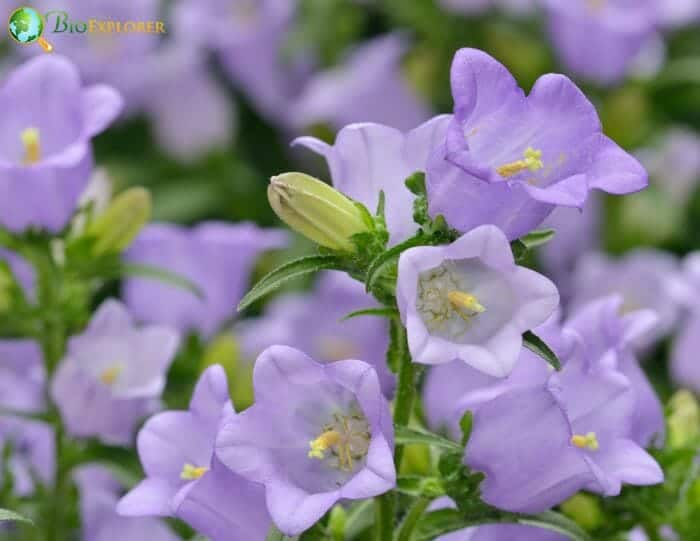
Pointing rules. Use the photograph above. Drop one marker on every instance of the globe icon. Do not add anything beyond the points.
(26, 25)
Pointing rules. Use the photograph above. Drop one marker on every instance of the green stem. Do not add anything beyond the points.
(412, 517)
(406, 390)
(384, 509)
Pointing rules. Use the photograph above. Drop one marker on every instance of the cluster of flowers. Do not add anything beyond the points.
(319, 431)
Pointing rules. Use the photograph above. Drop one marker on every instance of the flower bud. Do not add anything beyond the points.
(123, 219)
(683, 420)
(316, 210)
(585, 510)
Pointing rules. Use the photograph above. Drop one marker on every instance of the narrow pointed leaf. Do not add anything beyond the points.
(379, 312)
(11, 516)
(406, 436)
(538, 346)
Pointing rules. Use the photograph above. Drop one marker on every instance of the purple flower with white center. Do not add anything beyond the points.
(600, 39)
(287, 320)
(316, 434)
(217, 257)
(644, 278)
(588, 417)
(112, 375)
(510, 159)
(470, 301)
(368, 158)
(22, 376)
(183, 477)
(46, 158)
(33, 453)
(367, 87)
(99, 492)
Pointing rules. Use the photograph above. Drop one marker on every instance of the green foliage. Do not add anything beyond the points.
(539, 347)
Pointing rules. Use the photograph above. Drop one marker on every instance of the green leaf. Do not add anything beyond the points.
(155, 273)
(556, 522)
(538, 346)
(388, 257)
(7, 515)
(380, 312)
(530, 241)
(407, 436)
(465, 424)
(288, 271)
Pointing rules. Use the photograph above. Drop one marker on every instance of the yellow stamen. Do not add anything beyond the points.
(588, 441)
(32, 146)
(110, 375)
(532, 161)
(191, 473)
(461, 300)
(324, 442)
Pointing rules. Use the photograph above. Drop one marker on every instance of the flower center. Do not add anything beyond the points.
(32, 145)
(532, 160)
(586, 441)
(110, 375)
(346, 439)
(192, 473)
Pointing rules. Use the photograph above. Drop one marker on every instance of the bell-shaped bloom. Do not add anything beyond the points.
(470, 301)
(367, 87)
(22, 376)
(644, 278)
(288, 318)
(316, 434)
(509, 159)
(46, 157)
(99, 493)
(216, 257)
(112, 375)
(600, 40)
(183, 477)
(368, 158)
(685, 368)
(588, 417)
(32, 457)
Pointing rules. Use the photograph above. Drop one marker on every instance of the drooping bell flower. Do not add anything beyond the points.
(183, 477)
(288, 318)
(216, 257)
(368, 158)
(470, 301)
(32, 457)
(112, 375)
(46, 157)
(509, 159)
(316, 434)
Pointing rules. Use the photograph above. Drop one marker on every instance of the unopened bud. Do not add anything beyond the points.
(336, 523)
(683, 420)
(316, 210)
(584, 509)
(123, 219)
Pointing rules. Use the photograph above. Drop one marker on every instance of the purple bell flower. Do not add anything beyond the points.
(316, 434)
(99, 492)
(510, 159)
(217, 257)
(183, 477)
(22, 376)
(288, 318)
(599, 40)
(368, 158)
(33, 453)
(112, 375)
(46, 160)
(685, 368)
(470, 301)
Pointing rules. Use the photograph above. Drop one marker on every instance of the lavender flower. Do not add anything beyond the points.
(99, 492)
(470, 301)
(369, 158)
(592, 417)
(685, 368)
(643, 278)
(32, 453)
(316, 434)
(184, 478)
(599, 40)
(510, 159)
(288, 318)
(367, 87)
(22, 376)
(46, 159)
(215, 256)
(112, 375)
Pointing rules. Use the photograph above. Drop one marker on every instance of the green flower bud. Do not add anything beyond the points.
(585, 510)
(336, 523)
(316, 210)
(123, 219)
(683, 420)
